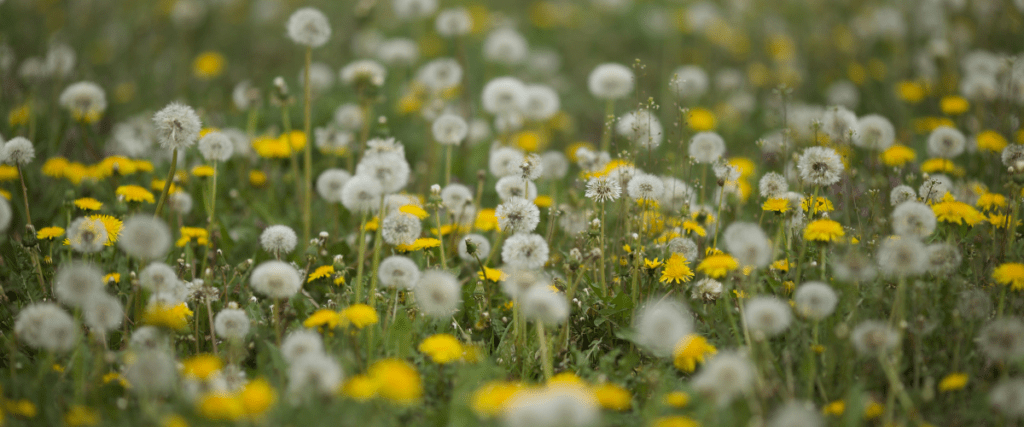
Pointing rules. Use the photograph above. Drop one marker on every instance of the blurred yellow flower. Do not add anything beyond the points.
(951, 211)
(898, 155)
(193, 234)
(490, 399)
(171, 317)
(910, 91)
(19, 116)
(954, 105)
(823, 230)
(257, 178)
(320, 273)
(953, 382)
(675, 421)
(360, 388)
(135, 193)
(414, 210)
(88, 204)
(397, 381)
(113, 226)
(991, 141)
(208, 65)
(49, 233)
(612, 396)
(677, 399)
(1010, 274)
(690, 351)
(359, 315)
(81, 416)
(201, 366)
(202, 171)
(702, 119)
(323, 318)
(442, 348)
(718, 265)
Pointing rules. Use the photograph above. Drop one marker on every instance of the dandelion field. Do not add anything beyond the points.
(538, 213)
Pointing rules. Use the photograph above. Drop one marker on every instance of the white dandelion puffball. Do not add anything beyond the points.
(152, 372)
(505, 161)
(946, 142)
(874, 132)
(504, 95)
(542, 102)
(6, 214)
(102, 312)
(505, 46)
(158, 277)
(690, 82)
(76, 282)
(400, 228)
(644, 187)
(278, 239)
(820, 166)
(815, 300)
(18, 151)
(542, 304)
(706, 147)
(481, 246)
(603, 189)
(301, 343)
(216, 147)
(455, 197)
(314, 373)
(525, 251)
(438, 293)
(177, 126)
(231, 324)
(390, 169)
(902, 256)
(398, 272)
(767, 315)
(726, 376)
(901, 194)
(276, 279)
(363, 71)
(361, 194)
(85, 100)
(46, 326)
(309, 27)
(610, 81)
(449, 129)
(145, 237)
(330, 183)
(87, 235)
(660, 324)
(453, 22)
(914, 219)
(873, 337)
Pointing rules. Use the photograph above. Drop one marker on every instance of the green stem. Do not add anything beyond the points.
(167, 183)
(308, 154)
(361, 244)
(544, 353)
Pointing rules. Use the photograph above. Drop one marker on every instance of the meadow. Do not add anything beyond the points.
(519, 213)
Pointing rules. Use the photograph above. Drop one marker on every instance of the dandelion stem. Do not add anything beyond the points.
(167, 182)
(24, 194)
(361, 244)
(307, 153)
(544, 353)
(377, 243)
(447, 164)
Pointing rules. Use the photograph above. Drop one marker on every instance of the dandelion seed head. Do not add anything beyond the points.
(796, 414)
(400, 228)
(482, 245)
(1002, 340)
(145, 237)
(504, 95)
(874, 132)
(278, 239)
(505, 46)
(610, 81)
(726, 376)
(773, 185)
(873, 337)
(943, 258)
(85, 100)
(1007, 397)
(152, 372)
(330, 183)
(309, 27)
(935, 188)
(231, 324)
(18, 151)
(87, 235)
(413, 9)
(440, 75)
(913, 219)
(45, 326)
(689, 82)
(902, 193)
(314, 374)
(363, 72)
(450, 129)
(276, 279)
(438, 293)
(524, 250)
(177, 126)
(398, 272)
(102, 312)
(642, 127)
(542, 103)
(767, 315)
(838, 122)
(512, 187)
(946, 142)
(603, 189)
(300, 343)
(820, 166)
(361, 194)
(706, 147)
(541, 304)
(216, 147)
(815, 300)
(644, 187)
(453, 22)
(456, 197)
(76, 282)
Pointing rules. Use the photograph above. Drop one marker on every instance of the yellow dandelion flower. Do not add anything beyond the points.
(492, 274)
(171, 317)
(81, 416)
(112, 278)
(339, 280)
(8, 173)
(88, 204)
(257, 397)
(134, 193)
(718, 265)
(257, 178)
(419, 244)
(54, 167)
(486, 220)
(652, 264)
(690, 351)
(1010, 274)
(779, 205)
(543, 201)
(834, 408)
(823, 230)
(397, 381)
(694, 227)
(821, 204)
(113, 226)
(675, 421)
(780, 265)
(49, 233)
(677, 270)
(193, 234)
(323, 318)
(208, 65)
(359, 315)
(676, 399)
(910, 91)
(954, 105)
(953, 382)
(220, 407)
(320, 273)
(442, 348)
(112, 377)
(873, 410)
(701, 119)
(991, 201)
(491, 399)
(898, 155)
(746, 166)
(19, 116)
(295, 139)
(414, 210)
(954, 212)
(991, 141)
(613, 396)
(143, 165)
(528, 141)
(360, 388)
(202, 171)
(21, 408)
(945, 166)
(201, 366)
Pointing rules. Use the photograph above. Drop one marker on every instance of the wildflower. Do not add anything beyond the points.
(525, 251)
(1006, 397)
(397, 381)
(1010, 274)
(718, 265)
(208, 65)
(177, 126)
(18, 151)
(952, 211)
(823, 230)
(323, 318)
(158, 277)
(820, 204)
(676, 270)
(87, 235)
(85, 100)
(438, 293)
(49, 233)
(193, 234)
(135, 193)
(542, 304)
(112, 225)
(904, 256)
(675, 421)
(695, 228)
(991, 141)
(873, 337)
(898, 155)
(330, 183)
(309, 27)
(780, 265)
(795, 413)
(706, 147)
(815, 300)
(834, 408)
(644, 187)
(314, 373)
(1002, 340)
(954, 105)
(946, 142)
(610, 81)
(278, 239)
(276, 279)
(398, 272)
(953, 382)
(603, 189)
(874, 132)
(218, 406)
(652, 264)
(441, 348)
(20, 116)
(201, 366)
(360, 388)
(492, 398)
(820, 166)
(419, 244)
(701, 120)
(612, 396)
(102, 312)
(660, 325)
(361, 194)
(145, 237)
(232, 324)
(359, 315)
(691, 350)
(301, 343)
(642, 128)
(991, 201)
(81, 416)
(174, 317)
(46, 326)
(726, 376)
(767, 315)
